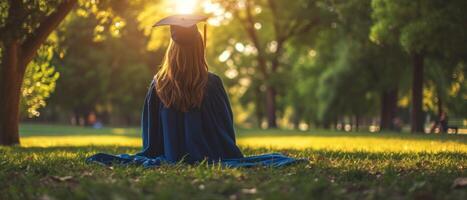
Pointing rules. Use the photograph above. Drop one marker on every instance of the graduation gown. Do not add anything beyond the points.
(205, 133)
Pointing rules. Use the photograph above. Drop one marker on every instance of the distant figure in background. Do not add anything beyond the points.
(92, 118)
(397, 124)
(441, 123)
(98, 125)
(187, 115)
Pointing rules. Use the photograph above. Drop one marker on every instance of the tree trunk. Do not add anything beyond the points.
(271, 106)
(10, 90)
(326, 124)
(296, 118)
(357, 122)
(388, 109)
(15, 59)
(440, 105)
(417, 94)
(258, 107)
(335, 122)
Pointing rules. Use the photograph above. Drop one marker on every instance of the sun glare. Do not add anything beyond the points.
(217, 13)
(185, 6)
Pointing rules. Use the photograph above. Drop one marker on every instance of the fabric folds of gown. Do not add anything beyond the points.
(205, 133)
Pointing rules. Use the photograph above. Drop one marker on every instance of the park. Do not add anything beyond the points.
(367, 99)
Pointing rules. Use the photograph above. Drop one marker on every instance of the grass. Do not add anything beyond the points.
(50, 165)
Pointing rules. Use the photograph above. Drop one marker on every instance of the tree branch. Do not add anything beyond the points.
(302, 28)
(275, 19)
(50, 23)
(16, 15)
(250, 26)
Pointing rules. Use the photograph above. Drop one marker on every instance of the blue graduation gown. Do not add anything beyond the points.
(205, 133)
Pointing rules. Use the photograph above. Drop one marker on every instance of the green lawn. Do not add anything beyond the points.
(50, 165)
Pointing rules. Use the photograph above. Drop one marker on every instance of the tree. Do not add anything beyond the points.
(24, 28)
(385, 63)
(422, 28)
(278, 26)
(106, 73)
(344, 74)
(444, 86)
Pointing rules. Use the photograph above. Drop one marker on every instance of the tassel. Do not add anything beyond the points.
(205, 28)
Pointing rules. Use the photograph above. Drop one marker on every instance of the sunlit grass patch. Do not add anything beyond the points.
(38, 136)
(344, 143)
(51, 141)
(353, 143)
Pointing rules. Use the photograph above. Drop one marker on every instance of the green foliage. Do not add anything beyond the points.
(25, 18)
(344, 56)
(83, 66)
(420, 26)
(39, 81)
(147, 14)
(455, 90)
(103, 72)
(40, 76)
(3, 12)
(249, 47)
(434, 28)
(342, 72)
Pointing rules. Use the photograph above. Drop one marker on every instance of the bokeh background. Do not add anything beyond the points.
(344, 65)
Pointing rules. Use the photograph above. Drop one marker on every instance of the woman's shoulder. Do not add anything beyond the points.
(214, 83)
(213, 78)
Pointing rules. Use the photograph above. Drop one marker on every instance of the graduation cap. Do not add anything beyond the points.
(183, 29)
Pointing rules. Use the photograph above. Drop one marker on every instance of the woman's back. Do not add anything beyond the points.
(204, 132)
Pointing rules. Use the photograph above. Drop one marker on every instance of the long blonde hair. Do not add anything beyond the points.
(182, 79)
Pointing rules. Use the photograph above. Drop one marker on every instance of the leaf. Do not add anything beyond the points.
(86, 173)
(46, 197)
(459, 182)
(417, 186)
(233, 197)
(201, 187)
(62, 178)
(249, 191)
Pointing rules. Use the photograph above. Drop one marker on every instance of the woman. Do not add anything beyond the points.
(187, 115)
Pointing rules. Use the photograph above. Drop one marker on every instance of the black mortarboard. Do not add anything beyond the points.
(183, 29)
